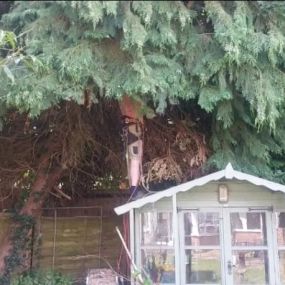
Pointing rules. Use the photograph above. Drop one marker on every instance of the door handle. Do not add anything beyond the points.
(230, 267)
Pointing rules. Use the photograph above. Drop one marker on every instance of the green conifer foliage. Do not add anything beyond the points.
(226, 56)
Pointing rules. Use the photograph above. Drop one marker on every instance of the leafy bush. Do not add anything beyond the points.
(42, 278)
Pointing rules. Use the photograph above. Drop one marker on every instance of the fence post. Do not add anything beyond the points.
(54, 239)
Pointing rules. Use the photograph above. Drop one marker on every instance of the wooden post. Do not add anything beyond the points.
(176, 239)
(130, 256)
(54, 238)
(132, 239)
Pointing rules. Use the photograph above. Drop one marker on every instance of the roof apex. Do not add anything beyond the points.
(229, 171)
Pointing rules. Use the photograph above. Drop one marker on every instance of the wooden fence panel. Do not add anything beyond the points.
(73, 245)
(4, 223)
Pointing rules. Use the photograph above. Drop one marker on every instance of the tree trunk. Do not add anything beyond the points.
(131, 111)
(44, 181)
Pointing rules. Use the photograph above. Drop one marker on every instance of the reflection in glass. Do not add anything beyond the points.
(159, 265)
(280, 228)
(280, 219)
(202, 266)
(201, 228)
(250, 267)
(282, 266)
(156, 228)
(248, 229)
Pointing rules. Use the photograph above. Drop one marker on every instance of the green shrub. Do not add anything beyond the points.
(42, 278)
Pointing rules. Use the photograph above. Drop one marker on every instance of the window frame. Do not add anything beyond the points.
(278, 247)
(139, 236)
(184, 247)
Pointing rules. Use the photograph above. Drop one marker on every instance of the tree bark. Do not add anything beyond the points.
(131, 111)
(44, 181)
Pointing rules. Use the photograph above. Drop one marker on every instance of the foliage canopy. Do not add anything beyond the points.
(224, 58)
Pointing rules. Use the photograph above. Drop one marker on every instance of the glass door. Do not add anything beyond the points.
(279, 223)
(247, 238)
(223, 246)
(201, 247)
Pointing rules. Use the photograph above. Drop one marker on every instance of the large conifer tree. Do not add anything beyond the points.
(228, 57)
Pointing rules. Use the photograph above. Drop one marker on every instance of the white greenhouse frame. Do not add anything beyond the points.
(167, 200)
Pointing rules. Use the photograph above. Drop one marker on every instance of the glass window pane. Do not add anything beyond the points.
(202, 266)
(281, 228)
(159, 264)
(156, 228)
(248, 229)
(250, 267)
(201, 228)
(282, 266)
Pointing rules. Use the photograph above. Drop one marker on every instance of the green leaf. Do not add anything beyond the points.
(9, 73)
(210, 96)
